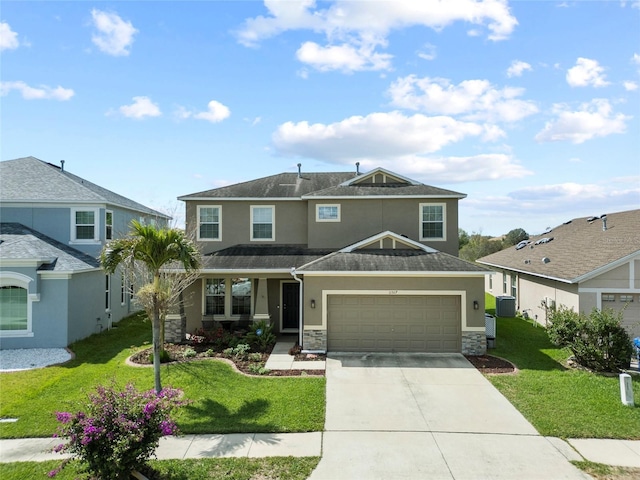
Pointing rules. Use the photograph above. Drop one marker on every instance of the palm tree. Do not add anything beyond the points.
(152, 249)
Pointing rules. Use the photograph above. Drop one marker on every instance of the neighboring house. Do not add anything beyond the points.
(364, 262)
(53, 227)
(585, 263)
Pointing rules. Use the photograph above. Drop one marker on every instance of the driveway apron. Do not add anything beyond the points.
(427, 416)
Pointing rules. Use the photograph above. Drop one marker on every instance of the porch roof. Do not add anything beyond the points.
(261, 257)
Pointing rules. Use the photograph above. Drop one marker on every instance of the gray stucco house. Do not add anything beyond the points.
(53, 225)
(585, 263)
(349, 261)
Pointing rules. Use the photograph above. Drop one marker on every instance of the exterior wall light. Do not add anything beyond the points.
(313, 303)
(476, 305)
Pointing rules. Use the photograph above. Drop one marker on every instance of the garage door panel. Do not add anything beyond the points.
(394, 323)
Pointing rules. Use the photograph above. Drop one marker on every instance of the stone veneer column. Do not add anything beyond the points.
(175, 328)
(474, 343)
(314, 340)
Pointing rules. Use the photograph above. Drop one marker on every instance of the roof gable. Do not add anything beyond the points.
(380, 177)
(576, 250)
(388, 241)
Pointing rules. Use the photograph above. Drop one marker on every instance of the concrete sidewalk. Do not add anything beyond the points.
(624, 453)
(281, 360)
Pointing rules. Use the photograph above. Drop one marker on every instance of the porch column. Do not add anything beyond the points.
(261, 310)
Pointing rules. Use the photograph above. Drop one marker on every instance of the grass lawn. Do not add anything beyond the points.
(223, 401)
(560, 402)
(205, 468)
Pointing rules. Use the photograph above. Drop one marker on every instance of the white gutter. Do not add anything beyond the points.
(300, 324)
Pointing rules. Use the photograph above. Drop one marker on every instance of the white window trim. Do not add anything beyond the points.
(318, 219)
(13, 279)
(201, 239)
(106, 214)
(96, 225)
(273, 224)
(107, 293)
(123, 290)
(228, 300)
(444, 223)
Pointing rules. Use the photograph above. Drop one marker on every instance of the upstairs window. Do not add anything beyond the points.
(84, 228)
(327, 213)
(209, 223)
(262, 223)
(108, 227)
(432, 221)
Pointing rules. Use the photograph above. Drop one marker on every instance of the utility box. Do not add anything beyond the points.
(490, 329)
(505, 306)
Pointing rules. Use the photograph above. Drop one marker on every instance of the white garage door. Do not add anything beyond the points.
(393, 323)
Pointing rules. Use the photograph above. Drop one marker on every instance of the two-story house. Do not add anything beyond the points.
(349, 261)
(53, 225)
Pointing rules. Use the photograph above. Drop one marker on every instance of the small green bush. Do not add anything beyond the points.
(255, 357)
(164, 357)
(598, 342)
(189, 353)
(261, 335)
(258, 369)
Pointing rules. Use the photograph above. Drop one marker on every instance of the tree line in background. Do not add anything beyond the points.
(475, 245)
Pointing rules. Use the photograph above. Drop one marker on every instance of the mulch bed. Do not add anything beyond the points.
(203, 351)
(490, 365)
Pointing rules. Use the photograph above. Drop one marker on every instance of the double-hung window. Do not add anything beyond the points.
(229, 302)
(13, 309)
(432, 221)
(209, 218)
(263, 223)
(327, 213)
(84, 225)
(214, 291)
(108, 225)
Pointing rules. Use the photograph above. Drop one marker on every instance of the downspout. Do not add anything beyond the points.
(300, 324)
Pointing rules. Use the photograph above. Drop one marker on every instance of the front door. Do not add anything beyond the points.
(290, 306)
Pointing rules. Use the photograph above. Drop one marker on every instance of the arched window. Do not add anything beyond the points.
(15, 305)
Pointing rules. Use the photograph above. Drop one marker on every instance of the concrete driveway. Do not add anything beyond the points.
(421, 416)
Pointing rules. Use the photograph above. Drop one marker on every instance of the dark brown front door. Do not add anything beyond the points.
(290, 306)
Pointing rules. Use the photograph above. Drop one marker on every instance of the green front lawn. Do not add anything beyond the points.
(289, 468)
(557, 400)
(223, 400)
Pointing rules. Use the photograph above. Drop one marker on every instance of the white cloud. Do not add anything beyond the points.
(8, 38)
(114, 36)
(377, 136)
(428, 52)
(474, 99)
(216, 112)
(592, 120)
(42, 92)
(140, 108)
(586, 72)
(345, 57)
(630, 86)
(636, 59)
(354, 30)
(517, 67)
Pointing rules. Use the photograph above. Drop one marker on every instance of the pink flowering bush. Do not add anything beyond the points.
(119, 431)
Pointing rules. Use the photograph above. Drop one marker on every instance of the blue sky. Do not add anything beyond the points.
(531, 108)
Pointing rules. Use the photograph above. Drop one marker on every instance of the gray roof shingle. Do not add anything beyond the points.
(392, 260)
(290, 185)
(32, 180)
(579, 248)
(18, 242)
(261, 257)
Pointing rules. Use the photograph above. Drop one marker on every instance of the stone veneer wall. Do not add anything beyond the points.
(474, 343)
(315, 340)
(175, 328)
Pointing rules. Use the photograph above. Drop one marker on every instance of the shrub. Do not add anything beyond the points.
(258, 368)
(598, 342)
(261, 335)
(120, 429)
(189, 353)
(255, 357)
(164, 357)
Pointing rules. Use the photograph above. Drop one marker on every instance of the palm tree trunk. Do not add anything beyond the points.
(157, 344)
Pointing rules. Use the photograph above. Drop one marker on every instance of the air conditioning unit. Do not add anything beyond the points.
(505, 306)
